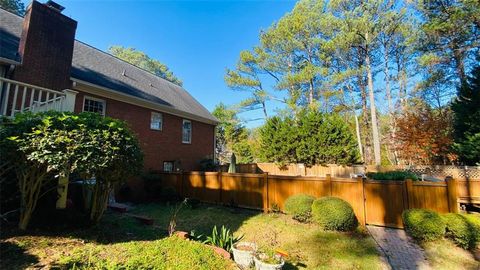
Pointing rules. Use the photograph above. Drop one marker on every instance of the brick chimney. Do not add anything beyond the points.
(46, 47)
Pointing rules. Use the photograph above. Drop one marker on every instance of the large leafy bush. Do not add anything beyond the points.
(334, 214)
(311, 138)
(56, 143)
(464, 230)
(423, 224)
(299, 206)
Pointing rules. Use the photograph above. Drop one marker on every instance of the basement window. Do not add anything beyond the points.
(168, 166)
(156, 121)
(96, 105)
(187, 131)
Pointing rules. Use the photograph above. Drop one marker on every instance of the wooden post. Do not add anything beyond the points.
(363, 218)
(219, 177)
(452, 194)
(409, 189)
(265, 192)
(181, 176)
(405, 196)
(328, 178)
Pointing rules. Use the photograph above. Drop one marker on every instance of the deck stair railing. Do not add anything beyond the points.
(16, 97)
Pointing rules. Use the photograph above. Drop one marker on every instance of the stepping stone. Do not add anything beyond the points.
(122, 208)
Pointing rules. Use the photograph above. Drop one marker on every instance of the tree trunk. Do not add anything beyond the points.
(373, 113)
(359, 138)
(391, 144)
(459, 65)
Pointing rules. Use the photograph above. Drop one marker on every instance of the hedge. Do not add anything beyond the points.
(464, 230)
(423, 224)
(333, 213)
(299, 206)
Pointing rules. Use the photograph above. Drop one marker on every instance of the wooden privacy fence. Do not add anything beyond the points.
(440, 171)
(374, 202)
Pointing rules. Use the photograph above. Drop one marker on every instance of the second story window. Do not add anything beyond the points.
(187, 131)
(156, 121)
(96, 105)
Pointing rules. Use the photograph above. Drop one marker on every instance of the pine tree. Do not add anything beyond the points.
(466, 110)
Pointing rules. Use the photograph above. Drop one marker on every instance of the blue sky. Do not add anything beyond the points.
(197, 40)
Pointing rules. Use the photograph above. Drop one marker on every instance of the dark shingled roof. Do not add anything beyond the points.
(100, 68)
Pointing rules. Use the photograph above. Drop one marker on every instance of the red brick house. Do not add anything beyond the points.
(43, 67)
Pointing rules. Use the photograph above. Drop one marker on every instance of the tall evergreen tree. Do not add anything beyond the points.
(466, 108)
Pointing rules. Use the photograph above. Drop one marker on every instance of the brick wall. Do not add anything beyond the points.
(164, 145)
(46, 48)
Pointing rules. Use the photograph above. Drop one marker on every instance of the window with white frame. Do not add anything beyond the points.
(168, 166)
(96, 105)
(187, 131)
(156, 121)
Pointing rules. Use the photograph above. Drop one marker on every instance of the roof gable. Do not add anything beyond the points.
(100, 68)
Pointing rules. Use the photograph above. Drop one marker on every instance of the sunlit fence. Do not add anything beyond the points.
(374, 202)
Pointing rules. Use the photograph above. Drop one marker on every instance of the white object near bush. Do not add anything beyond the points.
(244, 258)
(260, 265)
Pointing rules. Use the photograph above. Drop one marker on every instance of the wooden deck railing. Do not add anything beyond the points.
(18, 97)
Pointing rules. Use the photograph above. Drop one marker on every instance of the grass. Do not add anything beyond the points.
(307, 245)
(444, 254)
(120, 240)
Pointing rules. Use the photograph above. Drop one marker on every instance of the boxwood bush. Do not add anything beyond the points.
(333, 213)
(299, 206)
(423, 224)
(464, 230)
(392, 175)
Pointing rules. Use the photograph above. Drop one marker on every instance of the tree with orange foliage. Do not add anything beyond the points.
(425, 135)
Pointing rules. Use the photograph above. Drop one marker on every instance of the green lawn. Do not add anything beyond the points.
(444, 255)
(120, 240)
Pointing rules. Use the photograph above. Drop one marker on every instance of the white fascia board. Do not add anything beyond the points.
(112, 94)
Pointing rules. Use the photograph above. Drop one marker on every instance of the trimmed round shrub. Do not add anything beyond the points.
(423, 224)
(299, 206)
(333, 213)
(460, 230)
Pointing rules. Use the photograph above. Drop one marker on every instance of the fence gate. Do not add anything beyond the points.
(384, 202)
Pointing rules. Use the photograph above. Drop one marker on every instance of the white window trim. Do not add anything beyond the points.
(191, 131)
(161, 121)
(95, 99)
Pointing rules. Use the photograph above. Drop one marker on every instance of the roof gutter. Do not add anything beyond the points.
(112, 94)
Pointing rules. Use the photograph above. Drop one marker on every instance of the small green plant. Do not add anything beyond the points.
(462, 230)
(275, 208)
(393, 175)
(300, 207)
(269, 256)
(333, 213)
(223, 239)
(172, 225)
(423, 224)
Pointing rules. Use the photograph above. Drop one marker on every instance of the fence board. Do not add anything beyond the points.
(432, 196)
(282, 187)
(202, 186)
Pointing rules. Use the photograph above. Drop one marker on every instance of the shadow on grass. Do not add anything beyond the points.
(15, 257)
(117, 227)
